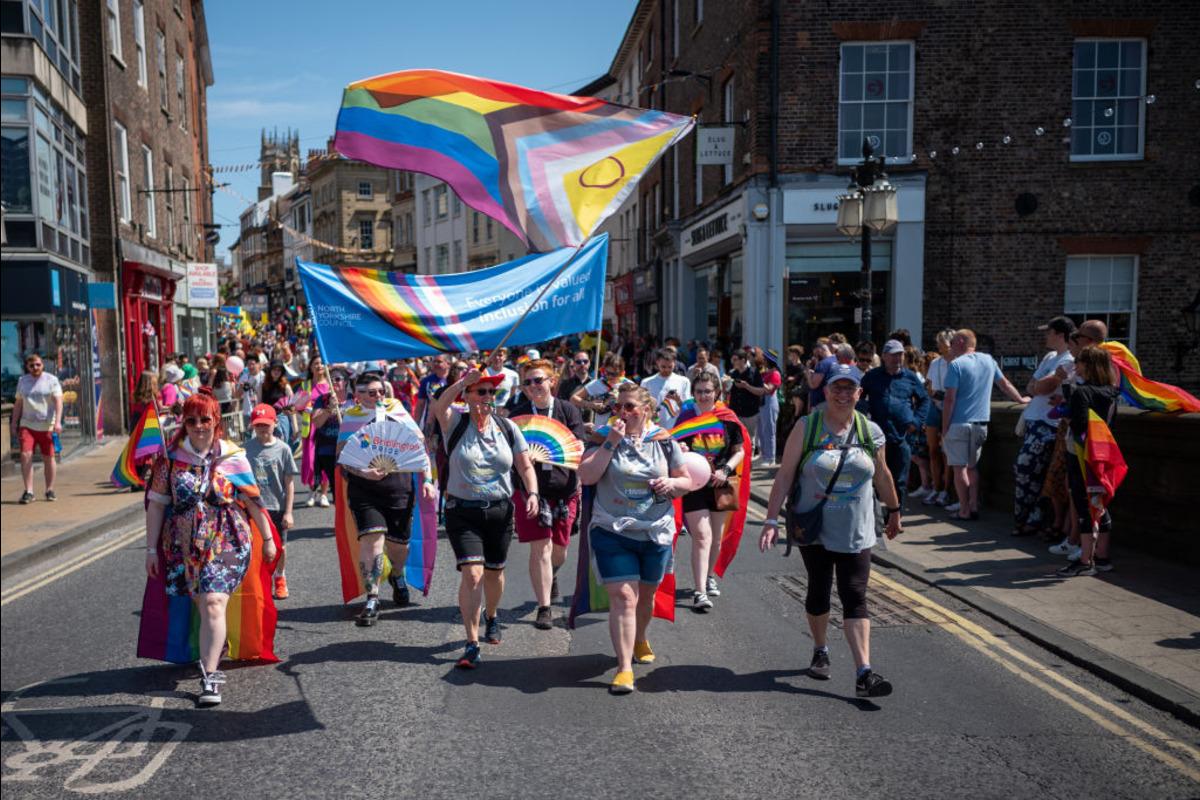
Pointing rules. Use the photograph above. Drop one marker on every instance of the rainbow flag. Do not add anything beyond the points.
(145, 440)
(188, 387)
(1141, 392)
(702, 425)
(548, 167)
(170, 625)
(1102, 463)
(422, 546)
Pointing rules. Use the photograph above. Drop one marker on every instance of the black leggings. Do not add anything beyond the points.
(1081, 500)
(853, 572)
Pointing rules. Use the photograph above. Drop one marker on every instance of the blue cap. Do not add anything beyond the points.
(844, 372)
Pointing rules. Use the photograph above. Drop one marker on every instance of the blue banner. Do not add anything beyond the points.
(363, 314)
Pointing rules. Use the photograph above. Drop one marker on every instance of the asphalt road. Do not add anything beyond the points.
(727, 710)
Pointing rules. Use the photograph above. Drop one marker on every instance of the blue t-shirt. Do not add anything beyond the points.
(972, 374)
(817, 396)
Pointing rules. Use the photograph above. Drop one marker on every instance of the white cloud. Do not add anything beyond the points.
(247, 110)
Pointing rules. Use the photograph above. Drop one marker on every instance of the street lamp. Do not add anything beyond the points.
(869, 205)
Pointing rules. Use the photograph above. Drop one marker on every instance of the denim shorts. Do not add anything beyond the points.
(620, 558)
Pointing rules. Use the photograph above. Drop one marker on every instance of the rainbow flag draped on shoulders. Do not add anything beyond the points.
(549, 167)
(145, 440)
(1140, 392)
(1102, 463)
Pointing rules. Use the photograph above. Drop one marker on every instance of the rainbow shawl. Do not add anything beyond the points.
(1102, 464)
(548, 167)
(145, 440)
(1141, 392)
(422, 546)
(709, 446)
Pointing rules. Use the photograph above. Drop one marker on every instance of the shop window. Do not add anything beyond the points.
(1104, 288)
(876, 100)
(1107, 113)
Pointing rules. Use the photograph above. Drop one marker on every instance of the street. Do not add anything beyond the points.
(726, 711)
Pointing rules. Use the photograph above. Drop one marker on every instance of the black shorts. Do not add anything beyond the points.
(277, 518)
(325, 465)
(480, 535)
(381, 514)
(704, 499)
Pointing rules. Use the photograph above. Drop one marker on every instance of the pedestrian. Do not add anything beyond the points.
(768, 414)
(197, 523)
(745, 394)
(436, 379)
(168, 393)
(381, 502)
(577, 376)
(598, 395)
(249, 387)
(506, 390)
(548, 533)
(325, 424)
(218, 381)
(144, 396)
(935, 386)
(865, 357)
(483, 449)
(898, 404)
(839, 353)
(703, 364)
(726, 453)
(1037, 429)
(36, 420)
(275, 473)
(966, 412)
(632, 523)
(669, 389)
(835, 461)
(277, 390)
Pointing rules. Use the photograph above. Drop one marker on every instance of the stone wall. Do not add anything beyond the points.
(1155, 510)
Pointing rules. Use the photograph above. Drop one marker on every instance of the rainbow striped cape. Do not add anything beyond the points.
(549, 167)
(145, 440)
(170, 625)
(1101, 462)
(422, 546)
(1141, 392)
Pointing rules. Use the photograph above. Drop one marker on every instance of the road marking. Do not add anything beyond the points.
(62, 570)
(1043, 677)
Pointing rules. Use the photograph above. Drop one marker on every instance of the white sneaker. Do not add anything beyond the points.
(700, 601)
(1062, 548)
(1075, 553)
(943, 498)
(932, 499)
(312, 500)
(323, 501)
(953, 508)
(919, 492)
(711, 588)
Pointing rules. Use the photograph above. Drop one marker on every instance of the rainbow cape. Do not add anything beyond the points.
(145, 440)
(702, 425)
(170, 625)
(548, 167)
(422, 546)
(1102, 463)
(1141, 392)
(709, 445)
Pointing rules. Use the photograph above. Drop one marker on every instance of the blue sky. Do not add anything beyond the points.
(281, 64)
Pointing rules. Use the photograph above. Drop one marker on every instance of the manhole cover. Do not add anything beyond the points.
(888, 609)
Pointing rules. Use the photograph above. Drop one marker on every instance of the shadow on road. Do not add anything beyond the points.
(536, 675)
(703, 678)
(359, 651)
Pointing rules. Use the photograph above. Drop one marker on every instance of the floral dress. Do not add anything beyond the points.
(206, 537)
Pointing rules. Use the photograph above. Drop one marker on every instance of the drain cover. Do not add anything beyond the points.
(888, 609)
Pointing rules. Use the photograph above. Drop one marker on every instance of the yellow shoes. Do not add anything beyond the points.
(622, 683)
(642, 654)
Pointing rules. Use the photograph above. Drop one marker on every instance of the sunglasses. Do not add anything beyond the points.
(371, 392)
(484, 392)
(629, 406)
(702, 392)
(533, 381)
(583, 361)
(194, 421)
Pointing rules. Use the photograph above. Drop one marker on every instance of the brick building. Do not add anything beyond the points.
(1000, 226)
(146, 71)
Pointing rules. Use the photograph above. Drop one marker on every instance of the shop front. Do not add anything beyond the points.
(148, 295)
(712, 256)
(645, 300)
(623, 305)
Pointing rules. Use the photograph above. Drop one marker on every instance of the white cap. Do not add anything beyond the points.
(893, 346)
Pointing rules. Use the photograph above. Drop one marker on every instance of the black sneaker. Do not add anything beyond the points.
(210, 688)
(1103, 564)
(470, 658)
(26, 498)
(544, 621)
(872, 684)
(492, 630)
(399, 592)
(369, 614)
(819, 668)
(554, 593)
(1077, 569)
(51, 496)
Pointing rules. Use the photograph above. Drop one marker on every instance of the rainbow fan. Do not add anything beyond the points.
(550, 441)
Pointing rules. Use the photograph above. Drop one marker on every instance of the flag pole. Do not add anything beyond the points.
(598, 341)
(542, 293)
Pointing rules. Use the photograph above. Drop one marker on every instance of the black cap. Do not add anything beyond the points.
(1063, 325)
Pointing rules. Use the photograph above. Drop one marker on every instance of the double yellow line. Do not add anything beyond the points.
(32, 584)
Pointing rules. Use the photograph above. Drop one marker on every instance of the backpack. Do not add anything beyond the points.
(506, 426)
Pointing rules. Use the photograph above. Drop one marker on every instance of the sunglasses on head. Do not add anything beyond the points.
(533, 381)
(193, 421)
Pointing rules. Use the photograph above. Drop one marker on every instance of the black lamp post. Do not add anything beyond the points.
(869, 205)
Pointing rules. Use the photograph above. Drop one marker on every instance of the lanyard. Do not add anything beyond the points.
(549, 409)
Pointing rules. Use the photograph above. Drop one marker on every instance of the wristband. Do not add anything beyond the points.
(773, 522)
(891, 511)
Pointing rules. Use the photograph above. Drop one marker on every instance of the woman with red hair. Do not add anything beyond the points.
(197, 535)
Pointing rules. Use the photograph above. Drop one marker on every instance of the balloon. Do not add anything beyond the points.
(234, 366)
(697, 468)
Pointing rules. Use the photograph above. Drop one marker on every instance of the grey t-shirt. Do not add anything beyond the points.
(624, 502)
(848, 519)
(481, 464)
(272, 463)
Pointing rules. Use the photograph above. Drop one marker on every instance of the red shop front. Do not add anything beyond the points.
(626, 311)
(148, 296)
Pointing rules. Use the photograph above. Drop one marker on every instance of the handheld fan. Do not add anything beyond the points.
(388, 444)
(550, 441)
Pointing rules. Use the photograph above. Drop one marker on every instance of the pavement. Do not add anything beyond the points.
(1137, 626)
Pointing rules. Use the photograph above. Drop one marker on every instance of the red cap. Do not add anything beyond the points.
(262, 413)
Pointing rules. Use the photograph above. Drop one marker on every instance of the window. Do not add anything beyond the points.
(114, 27)
(181, 91)
(457, 206)
(1103, 287)
(365, 190)
(188, 238)
(698, 11)
(366, 234)
(443, 258)
(876, 100)
(675, 28)
(160, 57)
(474, 227)
(489, 229)
(428, 262)
(1107, 112)
(699, 179)
(139, 41)
(169, 203)
(426, 206)
(458, 262)
(16, 178)
(727, 111)
(121, 157)
(442, 201)
(148, 191)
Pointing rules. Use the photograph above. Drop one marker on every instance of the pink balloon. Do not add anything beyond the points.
(234, 366)
(698, 469)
